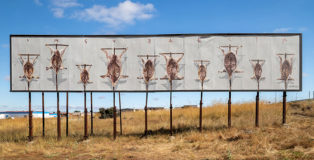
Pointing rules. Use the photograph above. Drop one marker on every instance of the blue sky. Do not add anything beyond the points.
(152, 17)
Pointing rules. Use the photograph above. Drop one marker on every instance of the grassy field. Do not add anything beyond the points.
(271, 140)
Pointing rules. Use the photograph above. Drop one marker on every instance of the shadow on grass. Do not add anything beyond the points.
(80, 138)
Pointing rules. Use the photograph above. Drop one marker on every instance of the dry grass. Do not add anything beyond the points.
(243, 141)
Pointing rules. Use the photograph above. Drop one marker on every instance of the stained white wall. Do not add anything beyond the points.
(79, 52)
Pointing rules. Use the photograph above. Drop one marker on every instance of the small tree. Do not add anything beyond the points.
(106, 113)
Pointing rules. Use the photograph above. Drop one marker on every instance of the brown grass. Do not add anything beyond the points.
(243, 141)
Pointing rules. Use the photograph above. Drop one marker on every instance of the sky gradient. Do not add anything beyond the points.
(152, 17)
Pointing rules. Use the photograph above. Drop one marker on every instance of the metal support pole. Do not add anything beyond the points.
(145, 133)
(67, 114)
(30, 117)
(171, 107)
(201, 108)
(85, 116)
(114, 116)
(91, 116)
(229, 110)
(58, 118)
(257, 110)
(284, 107)
(58, 111)
(120, 114)
(43, 108)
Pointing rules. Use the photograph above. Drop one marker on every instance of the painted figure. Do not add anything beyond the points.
(148, 68)
(84, 69)
(28, 66)
(56, 59)
(285, 68)
(257, 65)
(202, 69)
(172, 66)
(114, 67)
(230, 60)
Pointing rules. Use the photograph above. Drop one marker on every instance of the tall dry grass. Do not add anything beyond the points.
(242, 141)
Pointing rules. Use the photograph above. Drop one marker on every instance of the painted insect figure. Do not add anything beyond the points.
(84, 75)
(257, 65)
(230, 60)
(56, 58)
(285, 68)
(172, 66)
(114, 67)
(148, 67)
(28, 66)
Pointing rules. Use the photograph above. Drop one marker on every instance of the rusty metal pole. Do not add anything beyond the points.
(58, 111)
(91, 116)
(67, 114)
(257, 110)
(114, 116)
(120, 114)
(145, 133)
(284, 107)
(85, 116)
(229, 106)
(229, 110)
(43, 108)
(201, 108)
(171, 107)
(30, 117)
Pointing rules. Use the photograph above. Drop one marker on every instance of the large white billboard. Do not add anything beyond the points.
(101, 62)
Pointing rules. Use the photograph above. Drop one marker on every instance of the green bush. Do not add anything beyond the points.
(106, 113)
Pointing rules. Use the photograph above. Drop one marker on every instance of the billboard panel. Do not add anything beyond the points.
(217, 60)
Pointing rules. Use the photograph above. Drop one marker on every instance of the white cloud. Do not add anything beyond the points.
(125, 12)
(65, 3)
(59, 6)
(58, 12)
(37, 2)
(4, 45)
(282, 30)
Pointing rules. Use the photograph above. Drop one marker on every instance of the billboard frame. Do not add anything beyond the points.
(162, 35)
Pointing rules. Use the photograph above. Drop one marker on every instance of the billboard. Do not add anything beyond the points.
(221, 62)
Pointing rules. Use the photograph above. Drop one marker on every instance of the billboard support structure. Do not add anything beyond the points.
(67, 114)
(114, 114)
(91, 115)
(120, 114)
(43, 108)
(284, 107)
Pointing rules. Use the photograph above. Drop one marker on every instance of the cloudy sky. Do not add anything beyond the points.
(84, 17)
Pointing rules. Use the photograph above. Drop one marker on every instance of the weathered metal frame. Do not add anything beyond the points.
(163, 35)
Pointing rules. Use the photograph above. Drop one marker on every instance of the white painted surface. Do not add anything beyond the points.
(78, 52)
